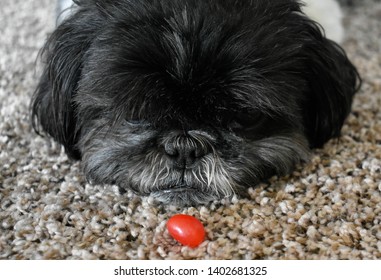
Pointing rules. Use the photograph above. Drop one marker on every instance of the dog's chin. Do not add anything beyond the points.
(183, 195)
(186, 190)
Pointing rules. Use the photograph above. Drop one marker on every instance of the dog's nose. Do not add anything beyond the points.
(185, 152)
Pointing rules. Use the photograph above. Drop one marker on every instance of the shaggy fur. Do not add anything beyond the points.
(191, 100)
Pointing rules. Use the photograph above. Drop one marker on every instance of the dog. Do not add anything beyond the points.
(191, 101)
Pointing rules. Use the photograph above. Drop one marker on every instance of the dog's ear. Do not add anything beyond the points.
(52, 107)
(332, 82)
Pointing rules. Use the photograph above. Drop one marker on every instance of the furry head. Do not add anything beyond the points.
(191, 100)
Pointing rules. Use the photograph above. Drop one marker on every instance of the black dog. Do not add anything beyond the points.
(191, 100)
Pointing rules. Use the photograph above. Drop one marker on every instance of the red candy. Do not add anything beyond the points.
(186, 229)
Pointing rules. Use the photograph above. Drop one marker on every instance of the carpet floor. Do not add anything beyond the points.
(329, 208)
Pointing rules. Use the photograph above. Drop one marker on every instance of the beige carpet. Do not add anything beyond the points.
(329, 208)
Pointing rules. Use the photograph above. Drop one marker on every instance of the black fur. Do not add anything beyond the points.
(256, 82)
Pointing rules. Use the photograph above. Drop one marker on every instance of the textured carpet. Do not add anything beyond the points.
(329, 208)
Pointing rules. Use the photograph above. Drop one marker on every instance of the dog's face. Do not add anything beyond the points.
(191, 101)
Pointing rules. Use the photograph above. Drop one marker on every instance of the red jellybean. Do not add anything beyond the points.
(186, 229)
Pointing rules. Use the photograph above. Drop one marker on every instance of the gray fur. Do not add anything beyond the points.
(122, 155)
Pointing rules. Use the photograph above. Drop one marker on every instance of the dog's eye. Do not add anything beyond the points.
(246, 122)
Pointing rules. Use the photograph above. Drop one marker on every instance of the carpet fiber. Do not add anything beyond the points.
(329, 208)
